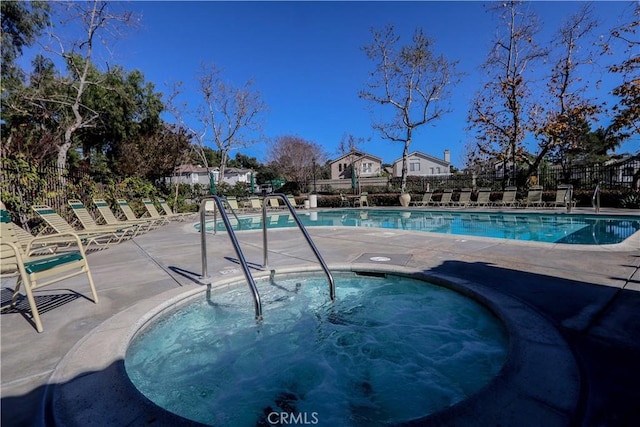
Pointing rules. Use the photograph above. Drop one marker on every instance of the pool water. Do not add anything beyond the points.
(549, 228)
(388, 350)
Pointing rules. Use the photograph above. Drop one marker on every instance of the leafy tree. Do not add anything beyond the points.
(30, 125)
(293, 158)
(243, 161)
(129, 107)
(407, 80)
(626, 114)
(154, 155)
(22, 22)
(498, 112)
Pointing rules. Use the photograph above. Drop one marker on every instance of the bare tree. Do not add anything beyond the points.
(349, 143)
(561, 122)
(234, 114)
(409, 79)
(293, 157)
(498, 111)
(180, 110)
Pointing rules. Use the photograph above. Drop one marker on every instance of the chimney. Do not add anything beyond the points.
(447, 156)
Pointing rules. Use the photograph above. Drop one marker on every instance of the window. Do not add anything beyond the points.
(339, 167)
(366, 167)
(414, 167)
(431, 171)
(438, 170)
(194, 178)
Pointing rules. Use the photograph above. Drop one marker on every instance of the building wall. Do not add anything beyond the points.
(366, 166)
(421, 166)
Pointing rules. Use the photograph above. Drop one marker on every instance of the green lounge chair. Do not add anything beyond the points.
(128, 212)
(153, 212)
(38, 271)
(181, 216)
(110, 218)
(89, 224)
(57, 224)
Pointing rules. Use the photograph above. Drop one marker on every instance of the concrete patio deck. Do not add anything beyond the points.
(590, 296)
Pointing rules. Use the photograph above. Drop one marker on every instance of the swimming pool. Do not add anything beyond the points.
(390, 349)
(536, 227)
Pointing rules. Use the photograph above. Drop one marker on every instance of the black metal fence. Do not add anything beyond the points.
(619, 176)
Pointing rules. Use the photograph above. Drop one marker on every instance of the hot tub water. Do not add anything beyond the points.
(387, 350)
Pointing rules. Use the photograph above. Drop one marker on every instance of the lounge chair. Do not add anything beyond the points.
(57, 224)
(153, 212)
(130, 215)
(508, 197)
(534, 198)
(344, 201)
(562, 198)
(361, 201)
(445, 199)
(89, 224)
(274, 203)
(109, 217)
(464, 198)
(255, 203)
(45, 244)
(171, 214)
(293, 202)
(426, 200)
(484, 197)
(38, 271)
(232, 202)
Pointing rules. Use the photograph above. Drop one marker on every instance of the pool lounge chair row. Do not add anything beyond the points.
(255, 204)
(60, 253)
(509, 199)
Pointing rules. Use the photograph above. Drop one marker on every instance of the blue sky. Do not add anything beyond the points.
(307, 61)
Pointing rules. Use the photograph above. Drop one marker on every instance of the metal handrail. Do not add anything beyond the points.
(236, 246)
(215, 216)
(332, 285)
(568, 195)
(595, 199)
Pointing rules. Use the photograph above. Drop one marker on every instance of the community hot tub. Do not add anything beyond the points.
(392, 349)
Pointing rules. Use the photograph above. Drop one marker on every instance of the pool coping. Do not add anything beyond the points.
(540, 379)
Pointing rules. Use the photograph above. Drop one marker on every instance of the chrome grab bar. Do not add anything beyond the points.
(332, 285)
(215, 216)
(595, 200)
(236, 246)
(568, 195)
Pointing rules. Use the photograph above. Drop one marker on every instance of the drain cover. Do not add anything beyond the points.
(380, 259)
